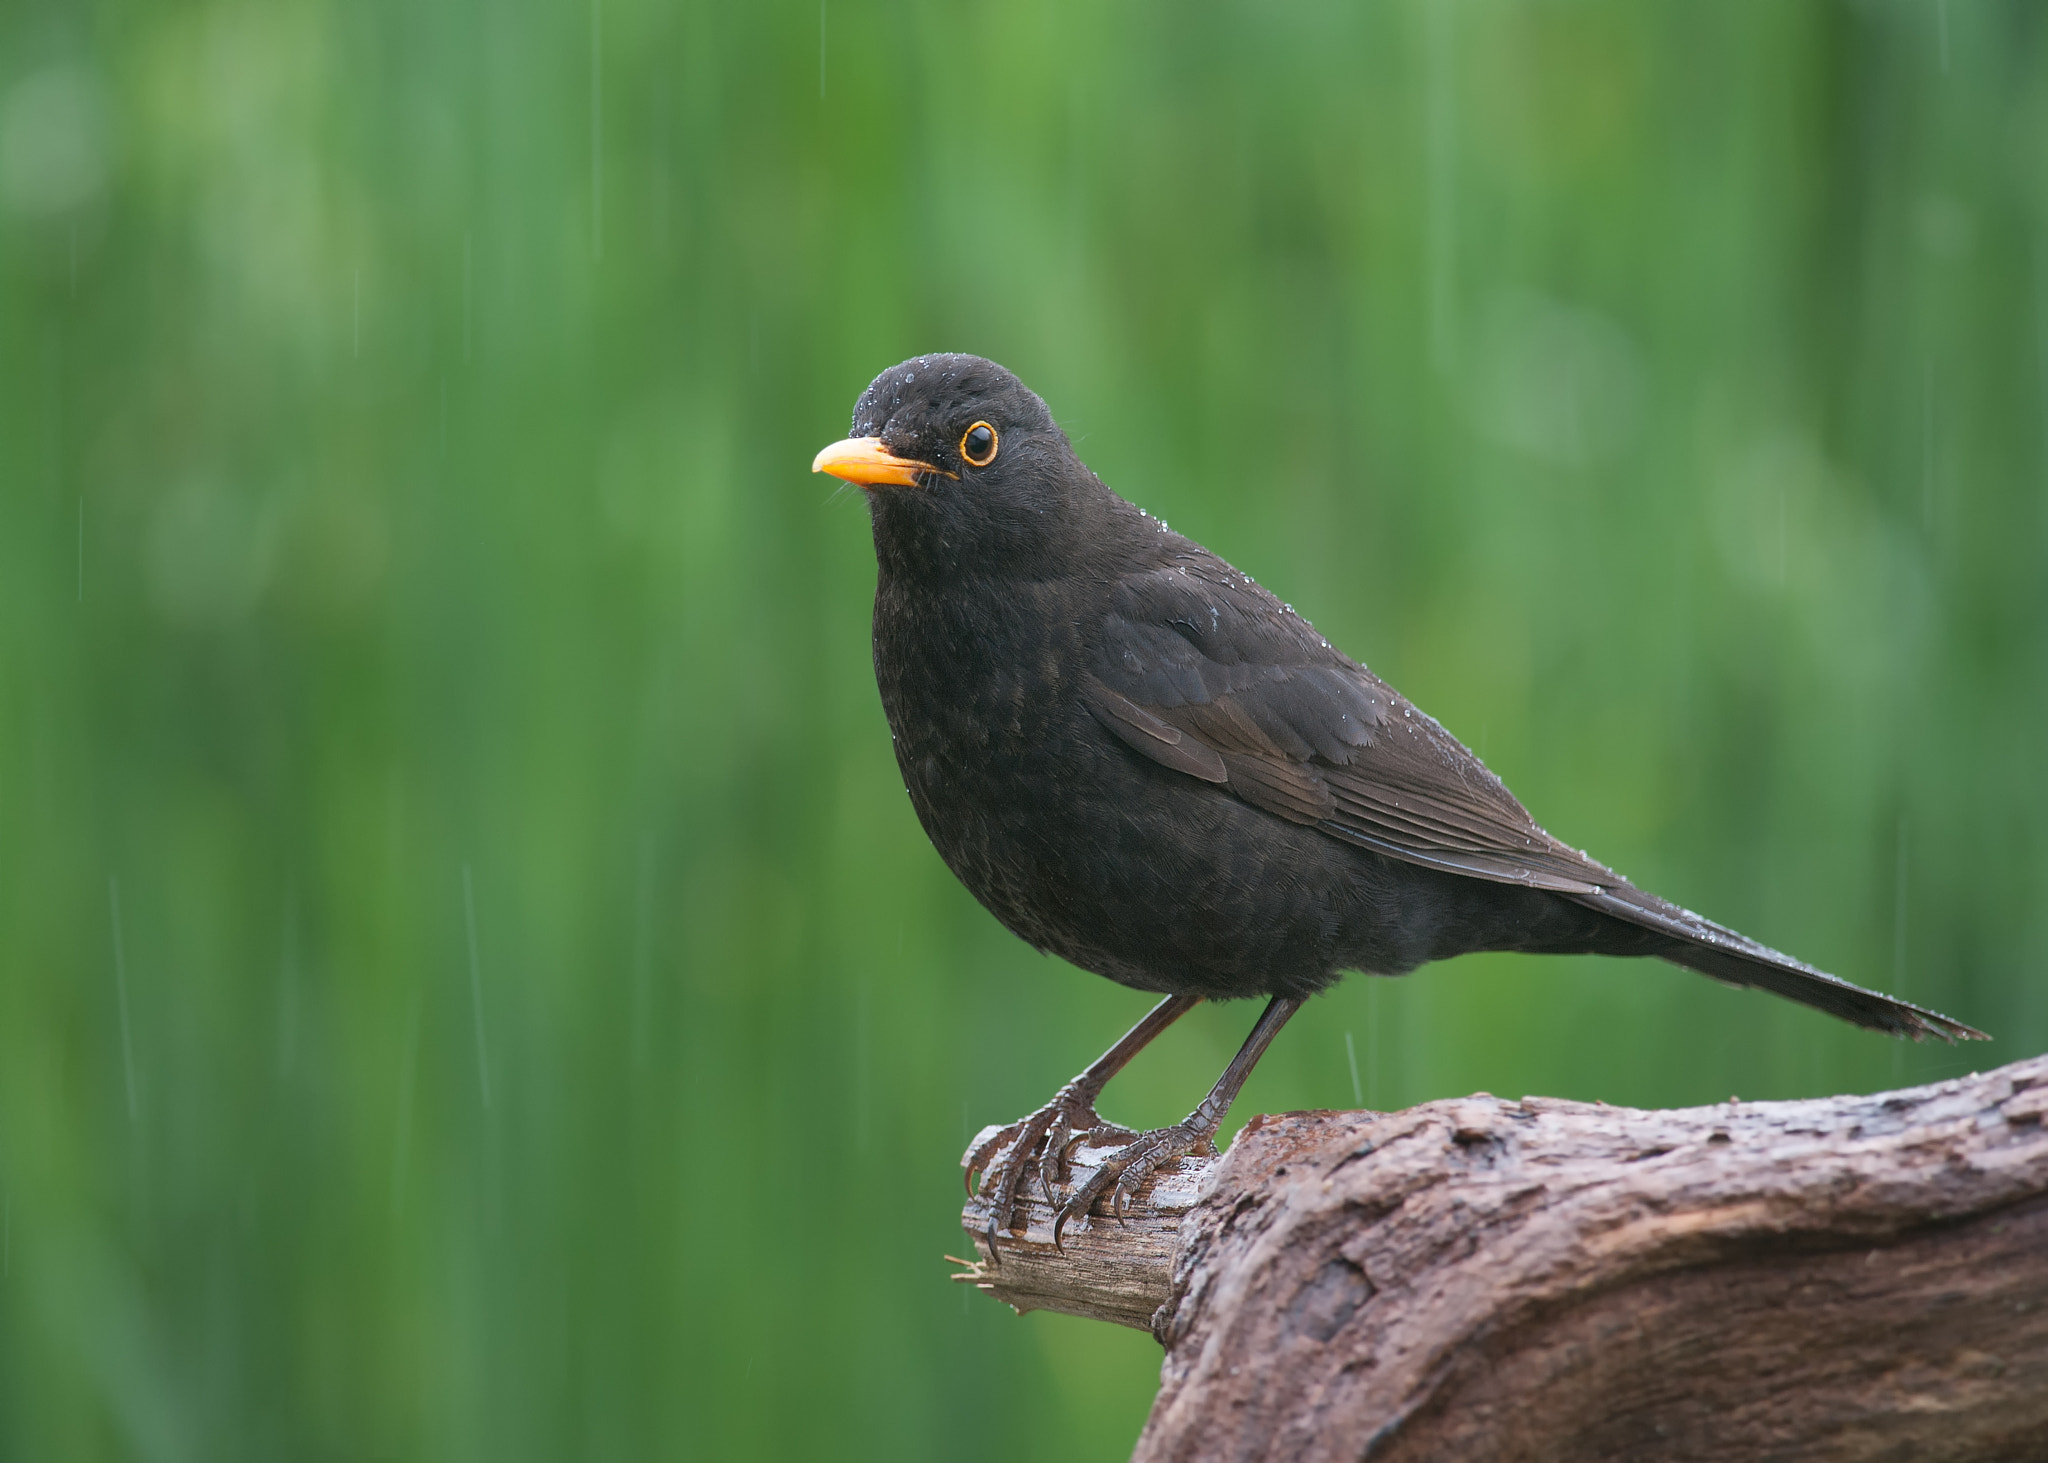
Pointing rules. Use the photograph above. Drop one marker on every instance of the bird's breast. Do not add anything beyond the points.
(981, 692)
(965, 678)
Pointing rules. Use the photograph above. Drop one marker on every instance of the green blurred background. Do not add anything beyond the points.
(471, 985)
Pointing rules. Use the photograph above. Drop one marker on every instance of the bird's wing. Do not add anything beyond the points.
(1202, 671)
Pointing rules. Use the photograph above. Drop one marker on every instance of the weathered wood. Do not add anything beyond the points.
(1104, 1271)
(1855, 1278)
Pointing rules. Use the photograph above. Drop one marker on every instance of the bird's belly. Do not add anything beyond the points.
(1132, 871)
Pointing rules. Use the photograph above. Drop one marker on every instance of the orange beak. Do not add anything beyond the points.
(866, 461)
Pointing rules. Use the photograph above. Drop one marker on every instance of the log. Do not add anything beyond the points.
(1850, 1278)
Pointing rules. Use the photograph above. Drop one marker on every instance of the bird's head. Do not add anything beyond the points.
(965, 469)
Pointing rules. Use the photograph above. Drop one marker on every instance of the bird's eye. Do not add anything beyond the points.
(978, 447)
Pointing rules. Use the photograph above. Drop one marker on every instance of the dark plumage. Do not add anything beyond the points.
(1141, 761)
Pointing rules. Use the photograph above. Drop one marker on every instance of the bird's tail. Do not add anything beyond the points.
(1715, 950)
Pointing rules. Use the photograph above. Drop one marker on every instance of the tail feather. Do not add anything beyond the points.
(1715, 950)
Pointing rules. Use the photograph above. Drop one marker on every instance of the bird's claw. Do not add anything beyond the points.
(1129, 1168)
(1063, 1137)
(975, 1162)
(1042, 1141)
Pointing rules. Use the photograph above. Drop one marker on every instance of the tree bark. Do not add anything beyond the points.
(1855, 1278)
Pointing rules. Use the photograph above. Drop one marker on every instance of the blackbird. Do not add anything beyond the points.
(1139, 760)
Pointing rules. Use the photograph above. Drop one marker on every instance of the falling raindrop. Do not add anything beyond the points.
(1927, 456)
(1372, 1044)
(1441, 214)
(596, 129)
(861, 1096)
(476, 986)
(643, 949)
(408, 1066)
(1899, 914)
(121, 993)
(1781, 533)
(288, 992)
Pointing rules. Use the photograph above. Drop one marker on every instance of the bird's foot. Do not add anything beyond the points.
(1040, 1142)
(1129, 1168)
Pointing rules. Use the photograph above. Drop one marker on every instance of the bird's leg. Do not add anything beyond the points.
(1006, 1156)
(1196, 1133)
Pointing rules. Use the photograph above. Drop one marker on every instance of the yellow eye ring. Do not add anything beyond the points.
(978, 445)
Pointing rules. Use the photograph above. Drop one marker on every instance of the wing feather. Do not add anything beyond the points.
(1203, 671)
(1143, 731)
